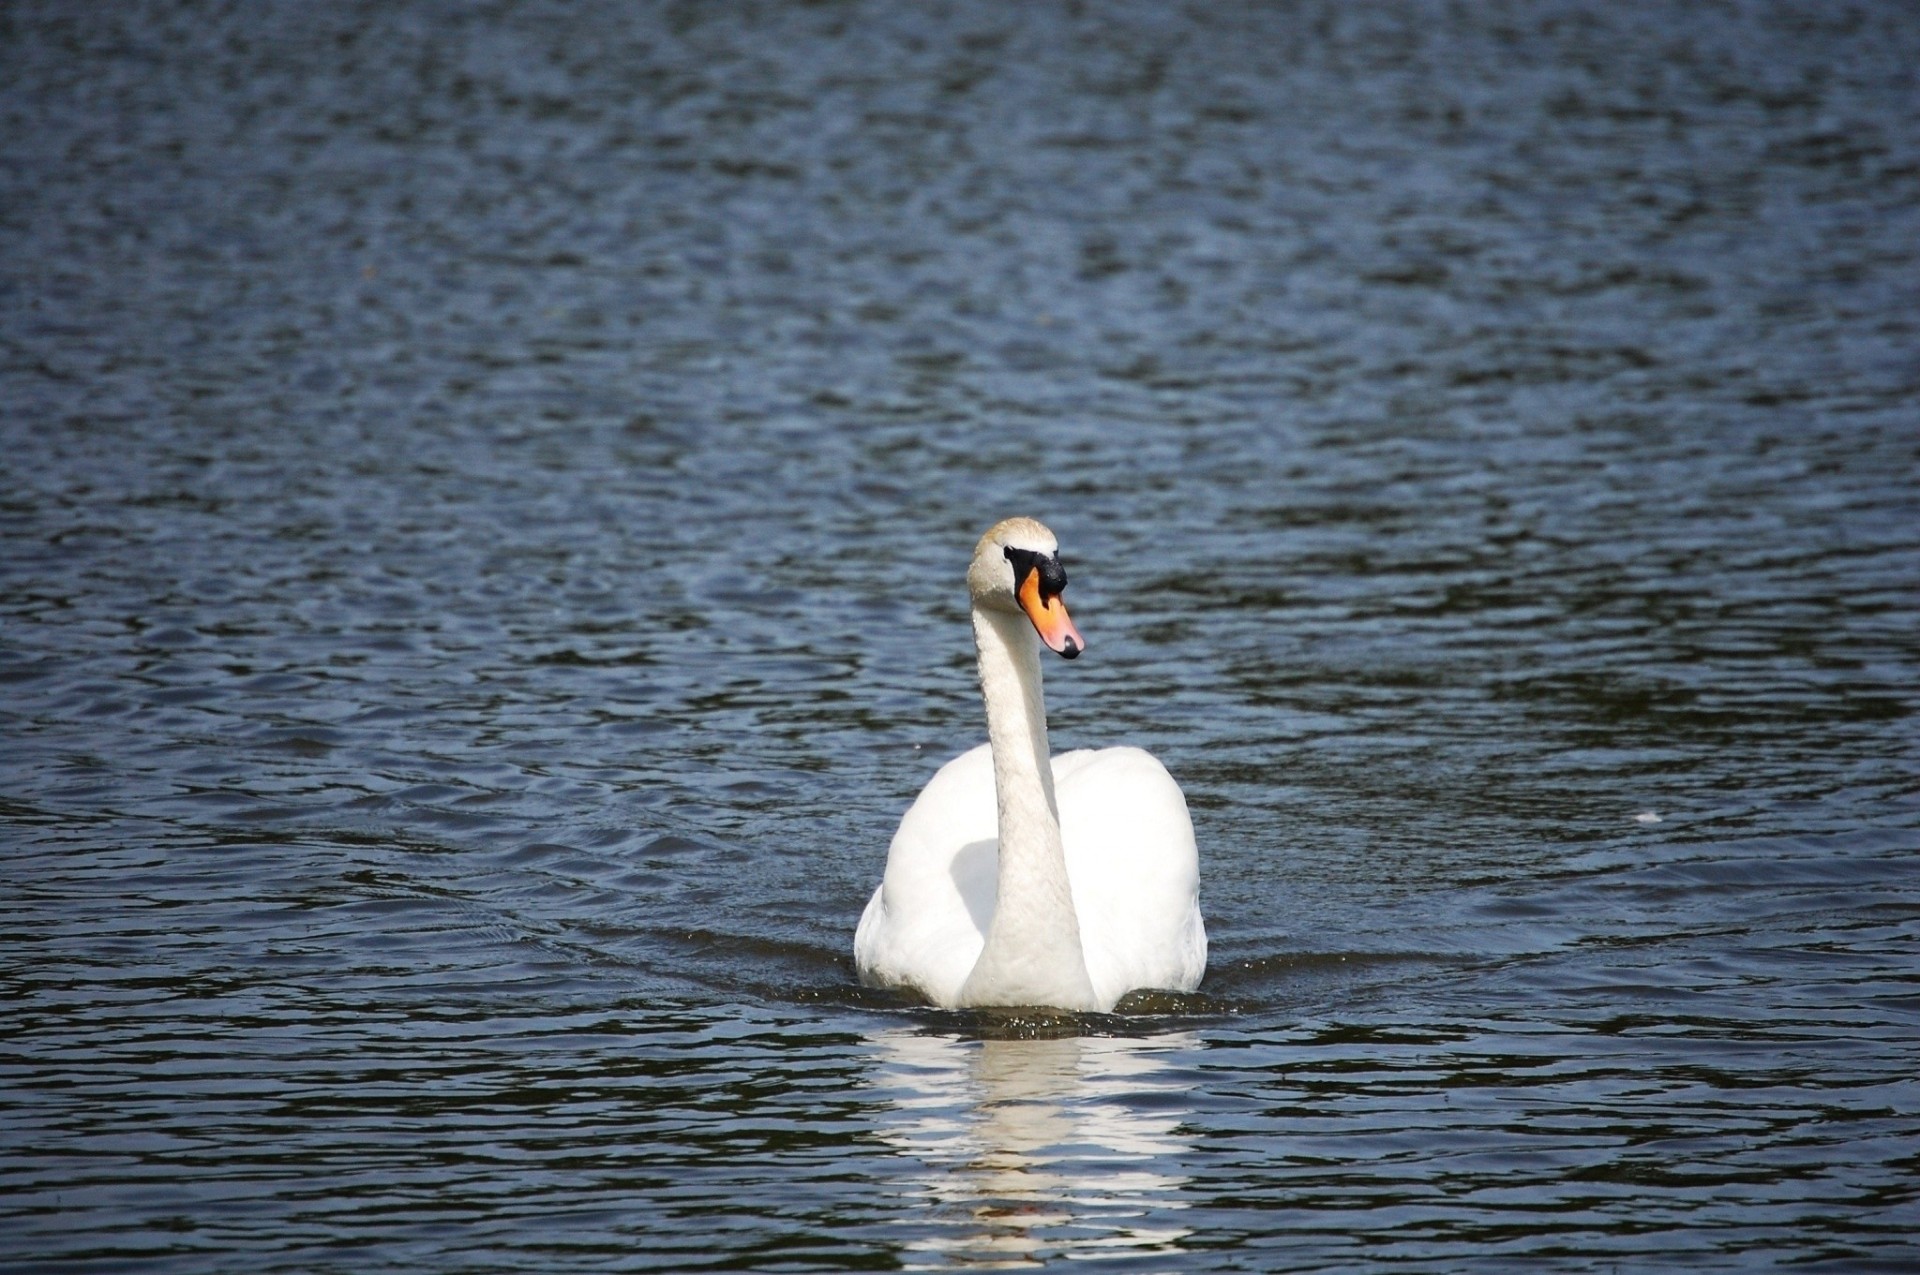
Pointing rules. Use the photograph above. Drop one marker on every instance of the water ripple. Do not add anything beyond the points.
(485, 495)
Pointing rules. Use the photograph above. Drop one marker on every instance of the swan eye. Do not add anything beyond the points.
(1053, 576)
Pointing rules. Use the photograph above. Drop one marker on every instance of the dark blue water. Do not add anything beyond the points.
(483, 504)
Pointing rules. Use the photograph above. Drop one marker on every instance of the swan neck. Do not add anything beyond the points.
(1032, 954)
(1016, 712)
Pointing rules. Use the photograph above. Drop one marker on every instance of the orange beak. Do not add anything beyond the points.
(1050, 618)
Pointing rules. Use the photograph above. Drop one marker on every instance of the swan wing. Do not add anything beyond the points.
(927, 921)
(1134, 868)
(1131, 858)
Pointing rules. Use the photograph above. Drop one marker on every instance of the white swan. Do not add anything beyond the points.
(1016, 882)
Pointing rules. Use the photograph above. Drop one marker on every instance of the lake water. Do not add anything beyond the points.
(486, 492)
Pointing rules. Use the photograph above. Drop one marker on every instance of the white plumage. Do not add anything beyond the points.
(1019, 879)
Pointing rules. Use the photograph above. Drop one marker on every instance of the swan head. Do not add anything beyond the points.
(1016, 567)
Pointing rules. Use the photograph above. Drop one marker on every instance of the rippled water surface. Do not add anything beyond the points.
(486, 489)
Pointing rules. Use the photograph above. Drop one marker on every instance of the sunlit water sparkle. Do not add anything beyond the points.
(486, 490)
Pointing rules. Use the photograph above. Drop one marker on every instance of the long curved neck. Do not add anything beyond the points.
(1032, 954)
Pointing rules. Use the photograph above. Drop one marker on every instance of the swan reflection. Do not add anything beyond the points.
(1036, 1148)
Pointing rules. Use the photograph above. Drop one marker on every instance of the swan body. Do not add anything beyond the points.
(1020, 878)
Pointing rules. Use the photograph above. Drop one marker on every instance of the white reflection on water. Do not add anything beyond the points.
(1035, 1148)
